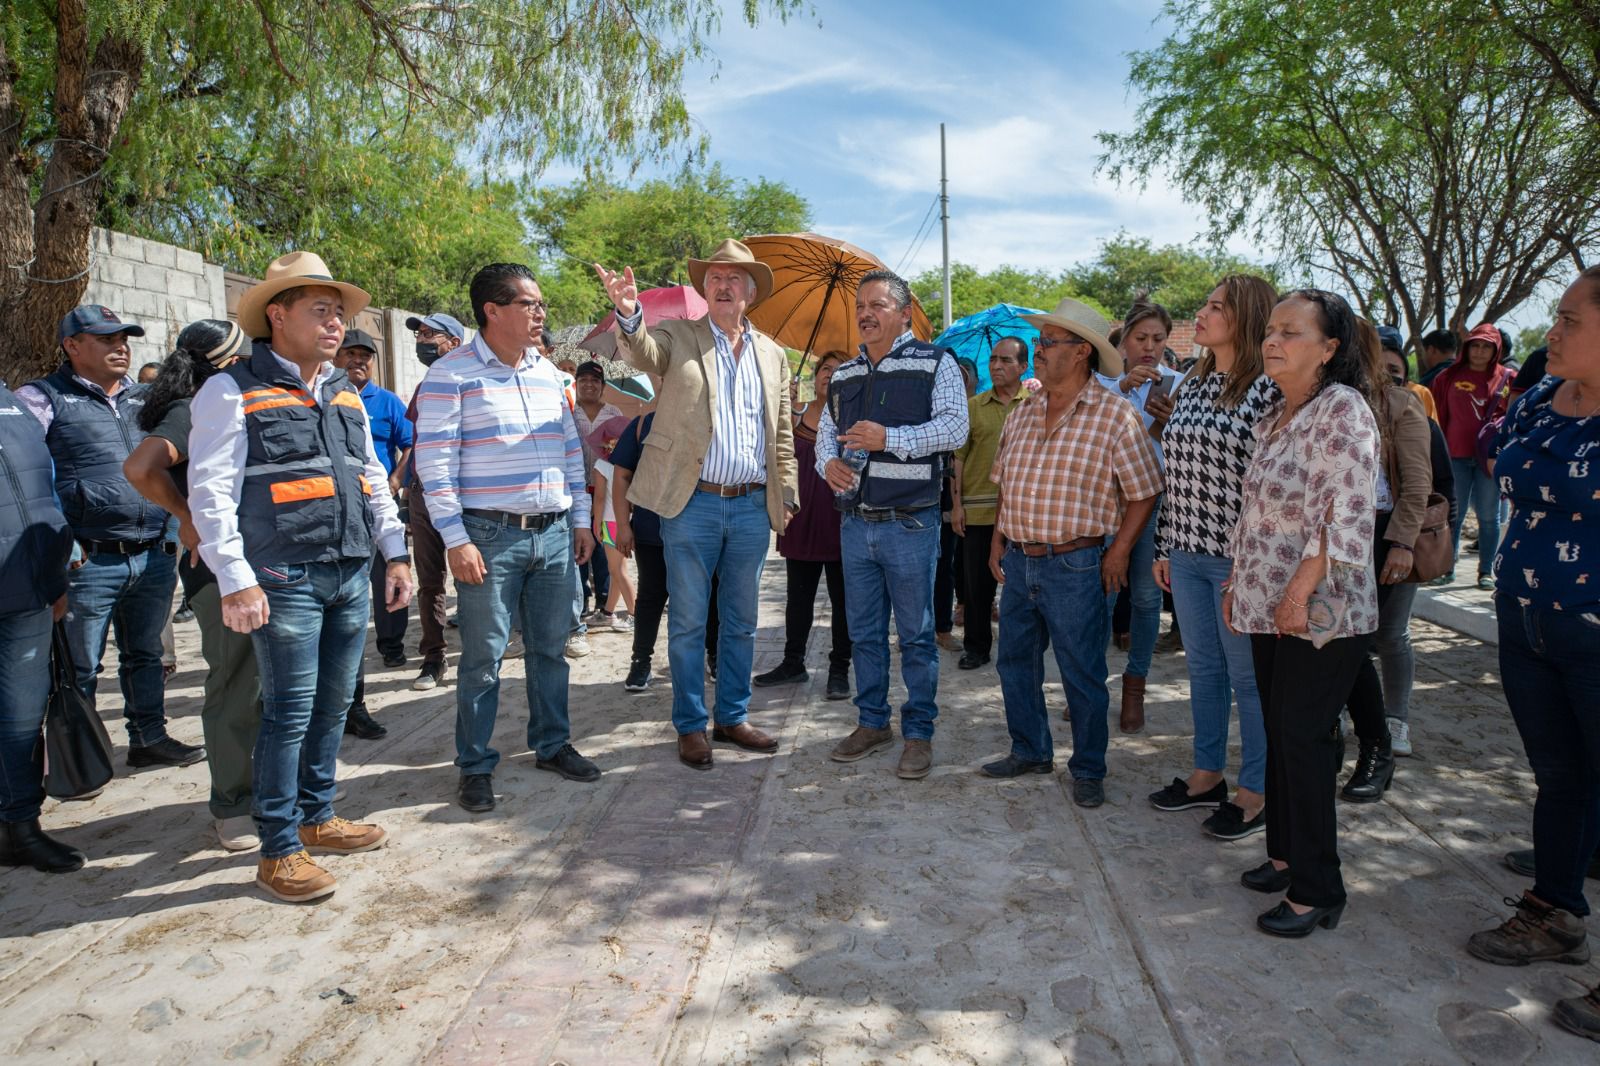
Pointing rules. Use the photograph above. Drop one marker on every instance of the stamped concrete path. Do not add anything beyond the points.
(787, 908)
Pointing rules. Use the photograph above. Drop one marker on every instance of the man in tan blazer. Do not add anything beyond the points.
(718, 467)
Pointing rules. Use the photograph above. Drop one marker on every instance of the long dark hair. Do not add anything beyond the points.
(1352, 359)
(201, 346)
(1249, 300)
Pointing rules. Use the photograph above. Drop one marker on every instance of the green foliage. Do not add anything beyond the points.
(972, 290)
(1531, 338)
(654, 228)
(1178, 278)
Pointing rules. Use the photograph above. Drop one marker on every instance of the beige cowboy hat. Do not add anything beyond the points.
(291, 272)
(1081, 320)
(736, 253)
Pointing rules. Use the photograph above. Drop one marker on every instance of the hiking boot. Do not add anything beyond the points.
(1537, 932)
(359, 723)
(787, 672)
(638, 678)
(1580, 1014)
(294, 878)
(861, 743)
(916, 760)
(429, 677)
(337, 836)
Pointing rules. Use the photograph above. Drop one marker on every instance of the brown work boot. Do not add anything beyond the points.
(861, 743)
(1132, 704)
(916, 760)
(1537, 932)
(339, 837)
(294, 878)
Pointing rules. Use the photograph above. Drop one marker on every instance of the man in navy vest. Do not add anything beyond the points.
(903, 403)
(289, 498)
(35, 544)
(90, 412)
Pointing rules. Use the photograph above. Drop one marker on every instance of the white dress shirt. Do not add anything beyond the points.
(218, 446)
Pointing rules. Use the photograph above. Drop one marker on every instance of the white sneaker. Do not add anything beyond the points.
(1399, 737)
(237, 833)
(577, 647)
(622, 623)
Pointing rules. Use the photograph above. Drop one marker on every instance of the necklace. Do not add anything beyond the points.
(1577, 402)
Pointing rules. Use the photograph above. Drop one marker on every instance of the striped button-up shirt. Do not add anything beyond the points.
(496, 437)
(738, 451)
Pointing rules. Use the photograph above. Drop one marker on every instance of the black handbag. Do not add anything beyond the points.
(77, 749)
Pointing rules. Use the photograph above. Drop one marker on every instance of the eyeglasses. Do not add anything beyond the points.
(525, 304)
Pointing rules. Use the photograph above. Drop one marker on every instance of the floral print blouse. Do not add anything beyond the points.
(1312, 478)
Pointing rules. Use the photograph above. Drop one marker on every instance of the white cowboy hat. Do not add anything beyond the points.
(1081, 320)
(291, 272)
(733, 253)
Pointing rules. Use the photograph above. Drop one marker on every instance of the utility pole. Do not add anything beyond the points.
(944, 222)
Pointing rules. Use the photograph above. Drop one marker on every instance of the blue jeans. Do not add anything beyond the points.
(1221, 670)
(130, 595)
(308, 655)
(1144, 595)
(24, 691)
(1477, 488)
(728, 538)
(891, 565)
(1552, 682)
(1056, 601)
(528, 575)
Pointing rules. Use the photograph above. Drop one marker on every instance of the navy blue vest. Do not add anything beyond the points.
(896, 392)
(35, 542)
(90, 440)
(305, 498)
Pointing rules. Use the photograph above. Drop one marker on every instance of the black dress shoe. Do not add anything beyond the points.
(785, 673)
(971, 660)
(1522, 862)
(358, 723)
(166, 752)
(1011, 766)
(838, 683)
(1088, 793)
(1266, 878)
(569, 764)
(25, 844)
(476, 793)
(397, 659)
(1283, 921)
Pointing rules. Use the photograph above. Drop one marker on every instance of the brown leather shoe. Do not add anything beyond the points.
(916, 760)
(746, 736)
(339, 837)
(294, 878)
(861, 743)
(694, 750)
(1132, 719)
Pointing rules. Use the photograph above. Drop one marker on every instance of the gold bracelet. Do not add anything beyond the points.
(1292, 600)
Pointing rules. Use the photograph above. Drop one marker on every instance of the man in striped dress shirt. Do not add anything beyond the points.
(501, 469)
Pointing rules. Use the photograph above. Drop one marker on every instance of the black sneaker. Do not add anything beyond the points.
(1176, 797)
(1087, 792)
(1228, 822)
(838, 683)
(429, 677)
(394, 660)
(971, 660)
(183, 614)
(358, 723)
(476, 793)
(166, 752)
(785, 673)
(569, 764)
(638, 676)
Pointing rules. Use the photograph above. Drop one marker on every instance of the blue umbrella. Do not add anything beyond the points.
(975, 335)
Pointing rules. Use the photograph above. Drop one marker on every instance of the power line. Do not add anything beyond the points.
(920, 236)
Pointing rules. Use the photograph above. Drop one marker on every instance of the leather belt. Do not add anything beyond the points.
(534, 522)
(127, 547)
(728, 491)
(885, 514)
(1036, 550)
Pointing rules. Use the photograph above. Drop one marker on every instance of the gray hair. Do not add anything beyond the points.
(897, 285)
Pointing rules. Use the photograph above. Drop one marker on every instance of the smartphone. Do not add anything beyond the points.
(1161, 389)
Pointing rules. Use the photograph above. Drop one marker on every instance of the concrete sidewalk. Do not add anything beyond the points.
(786, 908)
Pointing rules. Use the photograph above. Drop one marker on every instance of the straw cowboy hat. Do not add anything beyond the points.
(735, 253)
(291, 272)
(1081, 320)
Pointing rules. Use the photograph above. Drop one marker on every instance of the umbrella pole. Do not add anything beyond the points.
(816, 326)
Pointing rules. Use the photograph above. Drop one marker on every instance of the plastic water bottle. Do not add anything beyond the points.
(856, 460)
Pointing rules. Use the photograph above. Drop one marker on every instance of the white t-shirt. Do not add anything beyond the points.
(608, 512)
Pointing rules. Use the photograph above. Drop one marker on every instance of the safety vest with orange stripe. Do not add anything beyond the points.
(305, 496)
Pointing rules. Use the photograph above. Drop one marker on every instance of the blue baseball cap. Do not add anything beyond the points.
(442, 322)
(97, 319)
(1389, 337)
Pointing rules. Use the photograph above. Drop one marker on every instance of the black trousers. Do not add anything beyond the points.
(1302, 690)
(978, 632)
(800, 610)
(650, 601)
(946, 581)
(1366, 695)
(391, 625)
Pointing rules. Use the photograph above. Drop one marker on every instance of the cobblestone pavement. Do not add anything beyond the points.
(787, 908)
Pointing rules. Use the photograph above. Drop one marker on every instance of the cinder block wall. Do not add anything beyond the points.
(161, 287)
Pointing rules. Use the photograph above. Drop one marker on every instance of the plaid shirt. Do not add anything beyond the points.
(1075, 478)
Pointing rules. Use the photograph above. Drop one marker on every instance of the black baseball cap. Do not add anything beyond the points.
(590, 367)
(97, 319)
(359, 338)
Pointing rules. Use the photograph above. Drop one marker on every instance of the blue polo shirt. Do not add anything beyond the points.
(391, 430)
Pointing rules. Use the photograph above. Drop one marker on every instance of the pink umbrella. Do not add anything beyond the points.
(603, 437)
(672, 301)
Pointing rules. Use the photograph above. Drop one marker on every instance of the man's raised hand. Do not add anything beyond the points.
(620, 288)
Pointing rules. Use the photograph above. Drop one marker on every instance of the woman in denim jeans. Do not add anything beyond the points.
(1207, 438)
(1548, 602)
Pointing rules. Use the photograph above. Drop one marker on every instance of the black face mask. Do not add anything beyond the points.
(427, 352)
